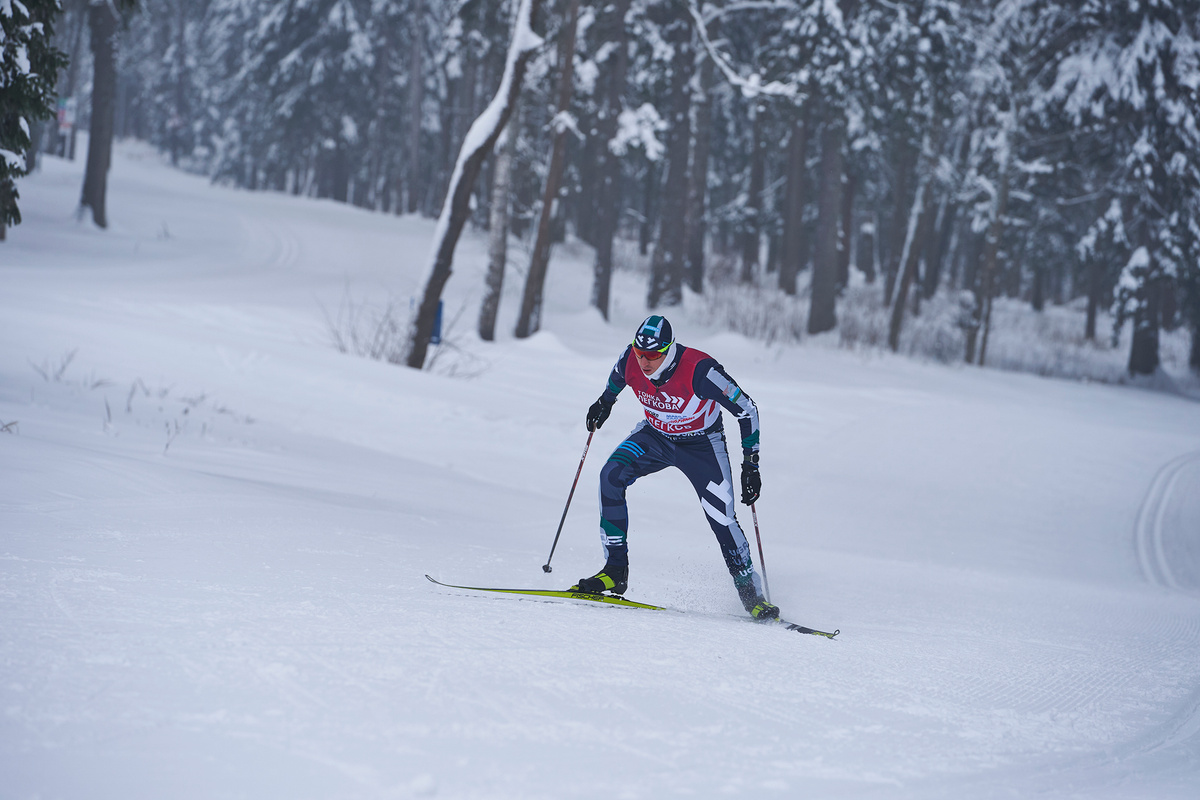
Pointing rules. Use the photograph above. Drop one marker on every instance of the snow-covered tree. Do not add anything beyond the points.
(1134, 76)
(29, 67)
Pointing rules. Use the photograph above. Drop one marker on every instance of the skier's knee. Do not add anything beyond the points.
(613, 478)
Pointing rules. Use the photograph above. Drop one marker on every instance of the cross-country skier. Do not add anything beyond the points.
(683, 391)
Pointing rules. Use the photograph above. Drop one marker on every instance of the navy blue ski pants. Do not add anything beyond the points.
(704, 460)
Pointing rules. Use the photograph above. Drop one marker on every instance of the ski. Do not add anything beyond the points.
(791, 626)
(612, 599)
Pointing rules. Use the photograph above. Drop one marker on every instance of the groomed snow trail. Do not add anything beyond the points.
(214, 530)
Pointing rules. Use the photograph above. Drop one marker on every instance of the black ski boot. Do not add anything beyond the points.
(755, 604)
(612, 578)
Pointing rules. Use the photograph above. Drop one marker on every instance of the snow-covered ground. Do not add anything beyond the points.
(214, 531)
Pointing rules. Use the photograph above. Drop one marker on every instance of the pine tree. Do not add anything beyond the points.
(29, 67)
(1132, 77)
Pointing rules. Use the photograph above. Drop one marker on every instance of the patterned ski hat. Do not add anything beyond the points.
(654, 334)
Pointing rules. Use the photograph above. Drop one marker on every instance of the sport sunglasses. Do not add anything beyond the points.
(651, 355)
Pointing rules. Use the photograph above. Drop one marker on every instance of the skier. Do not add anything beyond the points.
(683, 391)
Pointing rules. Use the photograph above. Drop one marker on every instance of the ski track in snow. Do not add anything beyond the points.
(1154, 539)
(211, 565)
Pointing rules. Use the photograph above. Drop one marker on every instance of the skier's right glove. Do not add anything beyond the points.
(751, 480)
(598, 413)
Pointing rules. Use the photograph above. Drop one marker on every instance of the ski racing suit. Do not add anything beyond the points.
(683, 429)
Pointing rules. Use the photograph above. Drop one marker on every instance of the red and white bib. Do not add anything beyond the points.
(674, 408)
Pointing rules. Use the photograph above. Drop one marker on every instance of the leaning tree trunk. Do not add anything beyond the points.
(102, 20)
(909, 257)
(498, 240)
(822, 314)
(611, 22)
(530, 320)
(895, 245)
(480, 140)
(666, 266)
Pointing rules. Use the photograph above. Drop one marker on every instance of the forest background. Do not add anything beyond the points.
(916, 174)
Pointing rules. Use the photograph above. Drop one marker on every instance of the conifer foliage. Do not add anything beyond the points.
(29, 65)
(970, 152)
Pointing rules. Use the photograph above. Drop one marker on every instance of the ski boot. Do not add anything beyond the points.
(612, 579)
(756, 605)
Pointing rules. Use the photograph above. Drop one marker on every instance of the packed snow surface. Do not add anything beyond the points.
(215, 527)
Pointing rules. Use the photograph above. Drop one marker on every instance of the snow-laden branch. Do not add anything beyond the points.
(748, 5)
(751, 87)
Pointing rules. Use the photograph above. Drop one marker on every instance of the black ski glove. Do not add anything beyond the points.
(751, 480)
(598, 413)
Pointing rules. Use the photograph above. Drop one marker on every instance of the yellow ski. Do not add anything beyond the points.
(610, 599)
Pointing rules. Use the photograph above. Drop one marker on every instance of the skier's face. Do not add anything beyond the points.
(648, 360)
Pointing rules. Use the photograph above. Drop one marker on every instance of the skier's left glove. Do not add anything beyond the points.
(751, 480)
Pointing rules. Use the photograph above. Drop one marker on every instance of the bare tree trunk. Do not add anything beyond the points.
(530, 320)
(180, 120)
(794, 239)
(865, 254)
(823, 308)
(1194, 352)
(416, 98)
(612, 18)
(900, 200)
(983, 306)
(1095, 276)
(752, 236)
(943, 230)
(103, 22)
(6, 202)
(845, 231)
(649, 208)
(697, 215)
(666, 266)
(1038, 300)
(481, 138)
(1143, 351)
(498, 239)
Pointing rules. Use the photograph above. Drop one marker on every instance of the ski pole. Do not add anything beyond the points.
(761, 561)
(546, 566)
